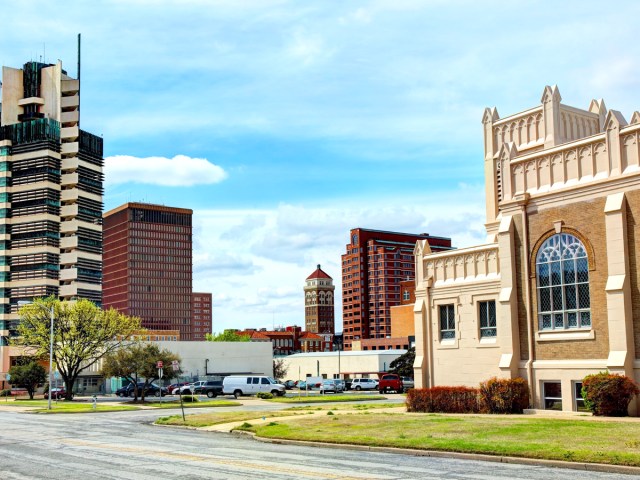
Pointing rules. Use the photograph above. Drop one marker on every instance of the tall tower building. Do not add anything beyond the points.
(202, 318)
(50, 194)
(319, 315)
(148, 265)
(372, 268)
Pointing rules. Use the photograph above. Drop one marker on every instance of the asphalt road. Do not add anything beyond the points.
(124, 445)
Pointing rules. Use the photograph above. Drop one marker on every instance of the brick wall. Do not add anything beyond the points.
(402, 321)
(587, 218)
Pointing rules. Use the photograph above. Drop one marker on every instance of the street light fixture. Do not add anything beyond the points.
(50, 361)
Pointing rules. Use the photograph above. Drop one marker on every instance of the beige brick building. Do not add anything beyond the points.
(553, 295)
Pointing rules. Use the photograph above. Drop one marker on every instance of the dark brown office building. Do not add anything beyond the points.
(202, 322)
(148, 265)
(374, 265)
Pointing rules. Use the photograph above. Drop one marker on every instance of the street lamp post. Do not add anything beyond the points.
(50, 360)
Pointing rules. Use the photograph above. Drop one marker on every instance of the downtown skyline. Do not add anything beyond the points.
(285, 124)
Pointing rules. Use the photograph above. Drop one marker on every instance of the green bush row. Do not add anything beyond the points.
(604, 394)
(493, 396)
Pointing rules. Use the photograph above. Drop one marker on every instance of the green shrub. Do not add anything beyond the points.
(190, 399)
(606, 394)
(5, 393)
(443, 400)
(504, 395)
(330, 412)
(264, 395)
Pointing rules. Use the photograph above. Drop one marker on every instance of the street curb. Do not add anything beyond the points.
(594, 467)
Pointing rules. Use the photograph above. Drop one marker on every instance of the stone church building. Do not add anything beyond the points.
(554, 293)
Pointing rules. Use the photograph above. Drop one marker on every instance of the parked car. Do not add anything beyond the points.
(331, 386)
(364, 384)
(289, 384)
(152, 389)
(173, 386)
(56, 393)
(391, 382)
(408, 383)
(189, 388)
(210, 388)
(302, 385)
(238, 385)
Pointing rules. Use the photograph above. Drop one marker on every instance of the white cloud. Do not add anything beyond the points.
(225, 264)
(179, 171)
(275, 250)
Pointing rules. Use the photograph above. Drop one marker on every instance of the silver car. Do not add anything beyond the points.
(364, 384)
(331, 386)
(408, 383)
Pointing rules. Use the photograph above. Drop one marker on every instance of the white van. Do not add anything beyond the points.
(237, 385)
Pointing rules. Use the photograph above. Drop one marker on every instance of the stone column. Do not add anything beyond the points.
(618, 289)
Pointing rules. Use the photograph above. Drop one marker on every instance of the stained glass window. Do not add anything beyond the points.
(562, 270)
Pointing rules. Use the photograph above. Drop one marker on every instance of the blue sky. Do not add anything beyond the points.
(283, 124)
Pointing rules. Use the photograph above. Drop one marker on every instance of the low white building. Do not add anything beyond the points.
(203, 359)
(360, 364)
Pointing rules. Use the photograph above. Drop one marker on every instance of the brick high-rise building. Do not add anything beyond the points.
(319, 314)
(373, 266)
(148, 265)
(50, 195)
(202, 322)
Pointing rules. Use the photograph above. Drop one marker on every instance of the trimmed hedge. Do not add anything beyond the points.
(606, 394)
(443, 400)
(190, 399)
(264, 395)
(504, 395)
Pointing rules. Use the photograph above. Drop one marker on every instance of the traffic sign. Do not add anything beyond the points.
(175, 365)
(159, 364)
(160, 373)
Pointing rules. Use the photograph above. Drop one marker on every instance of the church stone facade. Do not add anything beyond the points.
(554, 293)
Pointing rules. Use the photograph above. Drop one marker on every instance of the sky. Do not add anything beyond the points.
(284, 124)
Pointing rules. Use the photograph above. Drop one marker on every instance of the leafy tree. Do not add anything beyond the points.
(138, 360)
(280, 369)
(83, 334)
(403, 365)
(227, 336)
(29, 376)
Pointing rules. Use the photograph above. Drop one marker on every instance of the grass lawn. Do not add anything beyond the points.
(203, 404)
(359, 407)
(327, 398)
(558, 439)
(71, 407)
(207, 419)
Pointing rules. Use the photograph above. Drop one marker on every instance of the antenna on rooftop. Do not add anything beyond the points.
(79, 79)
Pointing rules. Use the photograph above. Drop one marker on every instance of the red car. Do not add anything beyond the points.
(56, 393)
(174, 386)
